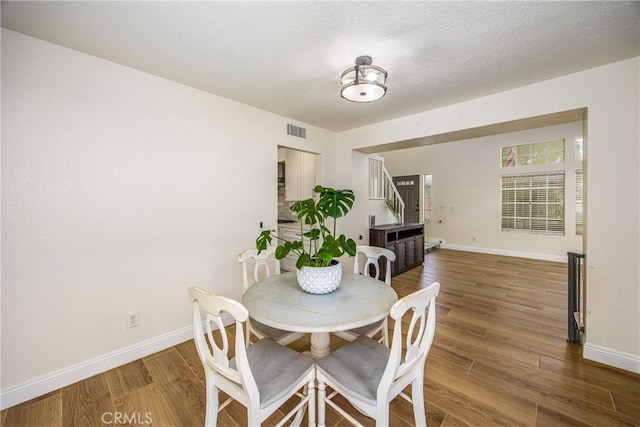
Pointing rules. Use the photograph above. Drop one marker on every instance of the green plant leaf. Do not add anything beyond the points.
(349, 245)
(392, 205)
(312, 234)
(303, 260)
(335, 203)
(263, 240)
(283, 250)
(325, 256)
(307, 212)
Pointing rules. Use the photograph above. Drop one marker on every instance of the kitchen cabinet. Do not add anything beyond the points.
(289, 233)
(300, 175)
(406, 241)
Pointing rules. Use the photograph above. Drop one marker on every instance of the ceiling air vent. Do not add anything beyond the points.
(296, 131)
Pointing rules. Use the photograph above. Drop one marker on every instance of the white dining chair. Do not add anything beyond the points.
(372, 259)
(262, 377)
(256, 267)
(372, 255)
(370, 375)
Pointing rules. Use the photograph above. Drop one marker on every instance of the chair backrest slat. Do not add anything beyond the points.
(373, 255)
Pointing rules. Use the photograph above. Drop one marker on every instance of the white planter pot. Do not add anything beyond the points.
(320, 280)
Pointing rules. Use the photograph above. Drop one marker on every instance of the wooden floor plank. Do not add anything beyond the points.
(451, 421)
(464, 407)
(147, 405)
(441, 371)
(189, 354)
(549, 417)
(87, 403)
(494, 325)
(594, 373)
(539, 348)
(558, 332)
(587, 406)
(127, 378)
(43, 411)
(489, 349)
(179, 385)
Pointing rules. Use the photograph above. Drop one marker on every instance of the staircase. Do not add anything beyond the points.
(381, 186)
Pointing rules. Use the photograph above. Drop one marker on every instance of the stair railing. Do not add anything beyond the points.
(391, 193)
(381, 186)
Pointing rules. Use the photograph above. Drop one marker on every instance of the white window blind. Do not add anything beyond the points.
(533, 203)
(579, 206)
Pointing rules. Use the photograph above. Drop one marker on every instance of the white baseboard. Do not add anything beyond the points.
(504, 252)
(28, 390)
(608, 356)
(436, 240)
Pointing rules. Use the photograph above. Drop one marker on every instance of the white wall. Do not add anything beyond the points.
(120, 189)
(612, 238)
(466, 176)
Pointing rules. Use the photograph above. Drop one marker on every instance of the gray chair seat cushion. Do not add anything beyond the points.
(275, 368)
(268, 331)
(358, 366)
(363, 330)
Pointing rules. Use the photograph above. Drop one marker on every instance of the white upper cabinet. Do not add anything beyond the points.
(300, 175)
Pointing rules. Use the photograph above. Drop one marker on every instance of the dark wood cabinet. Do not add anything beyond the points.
(406, 241)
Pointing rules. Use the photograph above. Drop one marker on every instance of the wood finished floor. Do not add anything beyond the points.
(499, 358)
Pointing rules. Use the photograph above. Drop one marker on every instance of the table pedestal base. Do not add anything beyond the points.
(320, 344)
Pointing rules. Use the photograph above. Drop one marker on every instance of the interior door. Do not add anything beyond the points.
(409, 188)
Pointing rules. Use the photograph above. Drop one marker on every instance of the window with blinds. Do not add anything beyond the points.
(579, 192)
(533, 203)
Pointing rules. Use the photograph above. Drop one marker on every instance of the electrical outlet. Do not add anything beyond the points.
(133, 319)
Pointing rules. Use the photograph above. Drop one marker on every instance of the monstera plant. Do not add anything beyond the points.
(319, 244)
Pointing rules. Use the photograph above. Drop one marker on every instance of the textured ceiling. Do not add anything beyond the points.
(287, 57)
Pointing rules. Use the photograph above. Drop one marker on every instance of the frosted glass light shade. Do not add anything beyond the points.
(363, 83)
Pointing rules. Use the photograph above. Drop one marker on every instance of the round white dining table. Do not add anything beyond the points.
(279, 302)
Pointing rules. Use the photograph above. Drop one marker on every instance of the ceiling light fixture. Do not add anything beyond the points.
(363, 82)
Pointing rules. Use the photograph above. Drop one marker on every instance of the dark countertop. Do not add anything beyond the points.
(397, 227)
